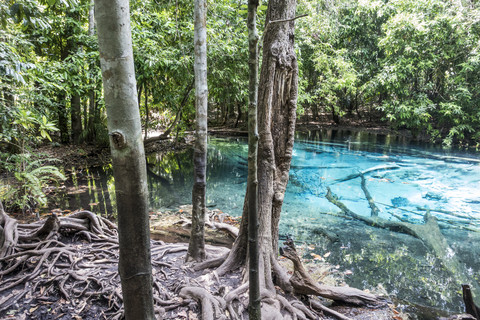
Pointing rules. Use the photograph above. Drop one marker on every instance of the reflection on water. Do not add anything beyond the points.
(405, 180)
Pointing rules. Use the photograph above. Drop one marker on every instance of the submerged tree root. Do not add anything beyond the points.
(303, 284)
(429, 233)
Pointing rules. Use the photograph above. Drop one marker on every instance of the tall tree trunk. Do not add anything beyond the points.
(196, 247)
(254, 309)
(180, 109)
(277, 100)
(239, 115)
(90, 119)
(146, 113)
(76, 118)
(62, 119)
(128, 156)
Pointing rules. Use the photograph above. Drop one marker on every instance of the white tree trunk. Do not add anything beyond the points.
(196, 248)
(128, 156)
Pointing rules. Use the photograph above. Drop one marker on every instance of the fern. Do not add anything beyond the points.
(25, 190)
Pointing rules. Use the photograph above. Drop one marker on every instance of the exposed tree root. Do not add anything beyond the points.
(72, 274)
(212, 306)
(303, 284)
(67, 267)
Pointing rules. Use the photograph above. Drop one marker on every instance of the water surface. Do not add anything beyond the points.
(405, 180)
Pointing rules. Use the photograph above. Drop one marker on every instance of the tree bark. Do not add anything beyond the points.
(277, 101)
(128, 156)
(62, 118)
(90, 119)
(76, 118)
(254, 309)
(147, 120)
(276, 113)
(196, 247)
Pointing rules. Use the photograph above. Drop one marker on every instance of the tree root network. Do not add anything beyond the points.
(66, 268)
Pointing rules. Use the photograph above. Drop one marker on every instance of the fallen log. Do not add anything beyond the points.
(361, 173)
(429, 233)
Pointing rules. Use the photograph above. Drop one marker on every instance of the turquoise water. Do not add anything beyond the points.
(404, 180)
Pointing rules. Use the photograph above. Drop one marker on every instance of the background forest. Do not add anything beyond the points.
(410, 64)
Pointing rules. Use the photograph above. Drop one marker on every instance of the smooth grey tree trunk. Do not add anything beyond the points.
(254, 308)
(128, 156)
(196, 247)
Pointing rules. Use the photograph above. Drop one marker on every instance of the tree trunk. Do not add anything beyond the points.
(254, 309)
(239, 112)
(180, 109)
(147, 120)
(277, 98)
(76, 118)
(277, 102)
(62, 119)
(196, 247)
(128, 156)
(90, 119)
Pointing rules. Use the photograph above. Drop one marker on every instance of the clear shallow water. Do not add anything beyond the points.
(403, 179)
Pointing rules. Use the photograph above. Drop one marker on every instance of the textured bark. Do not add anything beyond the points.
(277, 100)
(196, 247)
(147, 119)
(90, 119)
(76, 118)
(277, 97)
(128, 156)
(254, 308)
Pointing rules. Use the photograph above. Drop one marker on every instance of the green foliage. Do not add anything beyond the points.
(427, 46)
(414, 61)
(416, 64)
(27, 178)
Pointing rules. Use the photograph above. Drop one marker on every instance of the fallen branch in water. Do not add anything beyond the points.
(428, 232)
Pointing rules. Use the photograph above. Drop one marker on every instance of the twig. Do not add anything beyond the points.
(287, 20)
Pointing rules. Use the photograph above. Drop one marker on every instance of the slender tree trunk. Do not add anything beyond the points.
(196, 247)
(62, 119)
(76, 118)
(254, 308)
(180, 109)
(146, 113)
(239, 115)
(90, 119)
(128, 156)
